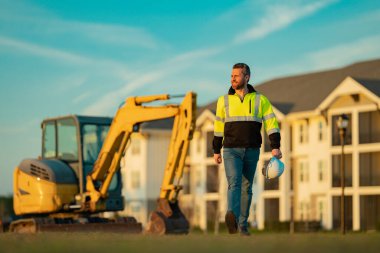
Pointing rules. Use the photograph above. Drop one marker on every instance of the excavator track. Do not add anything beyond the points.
(35, 225)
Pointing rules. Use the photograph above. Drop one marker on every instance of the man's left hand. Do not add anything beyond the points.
(277, 153)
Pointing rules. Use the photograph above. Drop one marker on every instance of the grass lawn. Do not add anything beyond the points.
(258, 242)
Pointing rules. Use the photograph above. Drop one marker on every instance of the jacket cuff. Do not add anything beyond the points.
(275, 139)
(217, 144)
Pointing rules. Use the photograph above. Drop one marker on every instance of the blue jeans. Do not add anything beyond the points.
(240, 166)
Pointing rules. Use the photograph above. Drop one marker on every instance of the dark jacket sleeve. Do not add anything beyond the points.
(217, 144)
(275, 139)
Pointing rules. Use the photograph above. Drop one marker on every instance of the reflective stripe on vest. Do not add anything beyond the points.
(219, 119)
(269, 116)
(218, 134)
(226, 106)
(242, 118)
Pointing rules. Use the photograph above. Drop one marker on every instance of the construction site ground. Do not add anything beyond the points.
(194, 242)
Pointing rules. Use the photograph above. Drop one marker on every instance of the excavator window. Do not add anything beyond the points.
(60, 140)
(49, 143)
(67, 140)
(93, 138)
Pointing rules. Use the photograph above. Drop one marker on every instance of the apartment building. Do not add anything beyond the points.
(143, 168)
(307, 107)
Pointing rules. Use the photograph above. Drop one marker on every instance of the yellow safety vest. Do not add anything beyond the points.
(239, 122)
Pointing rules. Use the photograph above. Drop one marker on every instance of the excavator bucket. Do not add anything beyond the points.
(167, 219)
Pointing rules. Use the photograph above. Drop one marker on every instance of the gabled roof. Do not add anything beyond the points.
(211, 106)
(372, 85)
(305, 92)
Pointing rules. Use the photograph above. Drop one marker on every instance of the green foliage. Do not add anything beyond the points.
(6, 207)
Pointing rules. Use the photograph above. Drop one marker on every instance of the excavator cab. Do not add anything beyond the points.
(77, 140)
(70, 147)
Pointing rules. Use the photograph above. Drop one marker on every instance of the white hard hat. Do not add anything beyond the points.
(274, 169)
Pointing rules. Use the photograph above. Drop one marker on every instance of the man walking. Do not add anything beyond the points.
(239, 117)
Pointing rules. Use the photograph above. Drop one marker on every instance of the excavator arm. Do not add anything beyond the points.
(127, 118)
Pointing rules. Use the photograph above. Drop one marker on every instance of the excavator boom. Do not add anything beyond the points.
(56, 192)
(130, 115)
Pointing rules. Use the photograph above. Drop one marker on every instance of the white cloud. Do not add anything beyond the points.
(43, 51)
(175, 64)
(81, 97)
(278, 17)
(189, 57)
(365, 48)
(69, 82)
(105, 33)
(325, 59)
(31, 19)
(97, 65)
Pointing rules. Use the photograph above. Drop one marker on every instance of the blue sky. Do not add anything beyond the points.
(86, 57)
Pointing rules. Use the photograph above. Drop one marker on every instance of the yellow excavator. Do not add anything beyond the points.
(78, 176)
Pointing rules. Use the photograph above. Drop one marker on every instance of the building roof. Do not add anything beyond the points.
(305, 92)
(162, 124)
(372, 85)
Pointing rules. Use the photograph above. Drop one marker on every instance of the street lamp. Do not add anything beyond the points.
(342, 124)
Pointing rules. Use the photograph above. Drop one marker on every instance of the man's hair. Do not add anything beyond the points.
(243, 66)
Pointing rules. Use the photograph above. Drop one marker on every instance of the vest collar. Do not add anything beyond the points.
(231, 91)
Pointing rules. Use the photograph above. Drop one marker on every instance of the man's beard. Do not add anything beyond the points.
(239, 86)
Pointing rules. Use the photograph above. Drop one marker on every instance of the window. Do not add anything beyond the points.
(292, 175)
(212, 180)
(67, 140)
(135, 179)
(198, 143)
(335, 131)
(271, 211)
(369, 212)
(321, 170)
(336, 211)
(186, 180)
(60, 140)
(303, 138)
(302, 213)
(135, 146)
(369, 169)
(336, 170)
(291, 138)
(369, 130)
(304, 171)
(93, 138)
(320, 210)
(209, 139)
(321, 131)
(49, 145)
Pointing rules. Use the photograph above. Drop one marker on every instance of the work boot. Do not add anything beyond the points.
(231, 222)
(244, 231)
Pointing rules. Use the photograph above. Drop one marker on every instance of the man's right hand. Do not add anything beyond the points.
(277, 153)
(218, 158)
